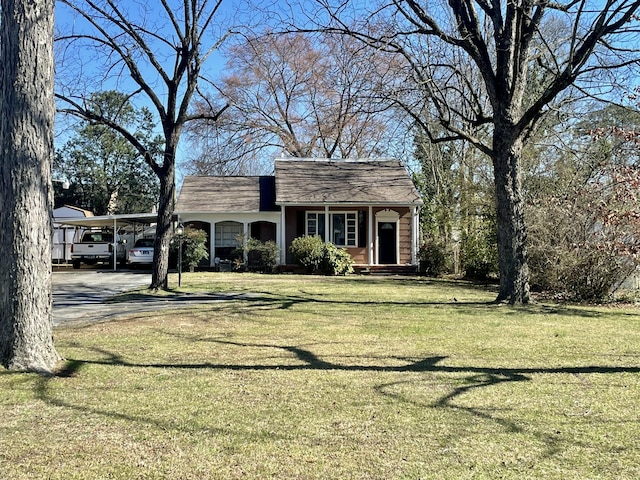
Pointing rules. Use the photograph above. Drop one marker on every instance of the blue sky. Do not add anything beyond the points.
(85, 69)
(82, 69)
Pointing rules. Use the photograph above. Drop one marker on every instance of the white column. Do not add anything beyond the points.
(398, 261)
(279, 242)
(283, 235)
(212, 244)
(371, 244)
(414, 235)
(245, 254)
(327, 225)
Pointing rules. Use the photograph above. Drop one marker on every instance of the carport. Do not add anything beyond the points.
(110, 221)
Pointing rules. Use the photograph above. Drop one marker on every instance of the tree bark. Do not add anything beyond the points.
(511, 226)
(166, 205)
(26, 153)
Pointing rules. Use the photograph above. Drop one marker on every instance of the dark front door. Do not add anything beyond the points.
(387, 239)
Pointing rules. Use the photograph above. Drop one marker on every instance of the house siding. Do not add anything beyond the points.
(405, 235)
(291, 230)
(360, 256)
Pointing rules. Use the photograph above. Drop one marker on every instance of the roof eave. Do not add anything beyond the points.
(366, 204)
(224, 212)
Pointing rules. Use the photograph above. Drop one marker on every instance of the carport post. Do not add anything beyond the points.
(115, 243)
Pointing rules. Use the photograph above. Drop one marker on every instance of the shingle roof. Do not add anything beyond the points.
(226, 194)
(301, 182)
(340, 181)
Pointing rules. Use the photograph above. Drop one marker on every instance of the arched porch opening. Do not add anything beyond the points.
(226, 240)
(263, 231)
(206, 227)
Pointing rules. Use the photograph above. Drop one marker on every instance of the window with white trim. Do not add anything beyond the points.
(227, 234)
(315, 224)
(343, 227)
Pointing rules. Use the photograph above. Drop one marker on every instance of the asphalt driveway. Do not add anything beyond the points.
(81, 296)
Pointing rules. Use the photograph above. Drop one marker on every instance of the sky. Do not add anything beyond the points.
(81, 68)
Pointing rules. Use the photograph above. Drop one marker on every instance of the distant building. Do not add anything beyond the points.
(63, 234)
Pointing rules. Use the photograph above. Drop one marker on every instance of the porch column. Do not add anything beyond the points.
(327, 225)
(370, 223)
(212, 244)
(283, 236)
(279, 242)
(245, 252)
(414, 235)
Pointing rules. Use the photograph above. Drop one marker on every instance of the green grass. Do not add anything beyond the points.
(346, 378)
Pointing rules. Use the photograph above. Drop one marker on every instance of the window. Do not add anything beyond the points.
(226, 241)
(343, 227)
(315, 224)
(338, 229)
(227, 234)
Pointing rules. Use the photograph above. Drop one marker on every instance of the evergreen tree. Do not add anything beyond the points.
(106, 173)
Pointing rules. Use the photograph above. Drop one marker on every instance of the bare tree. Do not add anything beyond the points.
(222, 148)
(302, 96)
(26, 153)
(502, 41)
(154, 51)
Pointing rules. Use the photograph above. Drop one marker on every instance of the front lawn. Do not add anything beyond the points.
(334, 378)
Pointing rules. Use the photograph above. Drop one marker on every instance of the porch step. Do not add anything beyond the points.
(385, 269)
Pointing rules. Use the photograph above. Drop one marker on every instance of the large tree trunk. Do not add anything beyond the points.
(512, 231)
(166, 204)
(26, 152)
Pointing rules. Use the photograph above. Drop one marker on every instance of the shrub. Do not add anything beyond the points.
(335, 261)
(479, 254)
(319, 257)
(583, 273)
(193, 247)
(433, 259)
(592, 274)
(573, 255)
(308, 251)
(261, 256)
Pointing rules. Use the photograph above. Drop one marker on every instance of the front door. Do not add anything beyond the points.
(387, 243)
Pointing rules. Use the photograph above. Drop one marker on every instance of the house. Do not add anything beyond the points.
(368, 207)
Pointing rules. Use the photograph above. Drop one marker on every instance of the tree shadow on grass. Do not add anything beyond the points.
(263, 299)
(479, 377)
(458, 296)
(474, 378)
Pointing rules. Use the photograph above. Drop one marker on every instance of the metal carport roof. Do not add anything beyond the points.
(111, 221)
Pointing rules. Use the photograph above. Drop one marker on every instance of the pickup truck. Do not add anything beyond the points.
(96, 247)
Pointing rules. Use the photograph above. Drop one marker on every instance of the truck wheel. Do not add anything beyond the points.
(76, 264)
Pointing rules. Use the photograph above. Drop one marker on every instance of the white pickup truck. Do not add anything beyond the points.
(96, 247)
